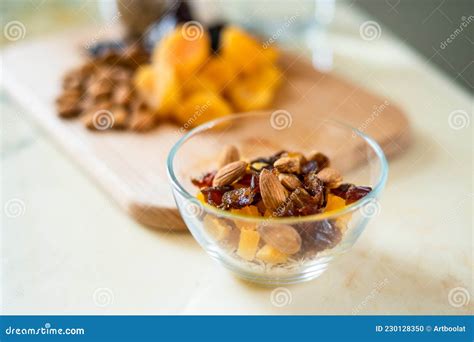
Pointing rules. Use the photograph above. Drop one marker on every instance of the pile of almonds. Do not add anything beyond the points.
(101, 92)
(286, 184)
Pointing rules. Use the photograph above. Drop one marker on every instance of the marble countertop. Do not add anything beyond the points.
(68, 249)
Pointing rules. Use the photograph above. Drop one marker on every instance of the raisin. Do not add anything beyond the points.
(341, 190)
(237, 198)
(213, 195)
(350, 192)
(317, 162)
(315, 187)
(205, 180)
(318, 236)
(355, 193)
(268, 160)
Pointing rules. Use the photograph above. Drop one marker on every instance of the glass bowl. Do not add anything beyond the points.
(327, 235)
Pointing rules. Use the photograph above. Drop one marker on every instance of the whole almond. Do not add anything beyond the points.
(331, 177)
(288, 164)
(289, 181)
(229, 154)
(229, 173)
(282, 237)
(273, 193)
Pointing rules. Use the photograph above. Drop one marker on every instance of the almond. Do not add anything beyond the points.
(229, 173)
(288, 164)
(229, 154)
(273, 193)
(282, 237)
(289, 181)
(330, 177)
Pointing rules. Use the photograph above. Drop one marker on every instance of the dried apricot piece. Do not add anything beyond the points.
(201, 107)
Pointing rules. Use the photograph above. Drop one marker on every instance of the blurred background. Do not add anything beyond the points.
(440, 30)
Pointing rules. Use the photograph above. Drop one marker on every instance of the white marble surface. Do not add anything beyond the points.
(72, 251)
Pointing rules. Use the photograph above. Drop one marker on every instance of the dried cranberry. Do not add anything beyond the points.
(246, 179)
(350, 192)
(205, 180)
(213, 195)
(355, 193)
(237, 198)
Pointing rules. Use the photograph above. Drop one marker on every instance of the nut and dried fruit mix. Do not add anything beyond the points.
(192, 76)
(286, 184)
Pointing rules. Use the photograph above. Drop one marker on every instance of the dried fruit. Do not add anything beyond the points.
(229, 173)
(330, 177)
(334, 203)
(355, 193)
(315, 186)
(318, 236)
(350, 192)
(273, 193)
(229, 154)
(213, 194)
(289, 181)
(288, 164)
(271, 255)
(217, 228)
(248, 244)
(205, 180)
(237, 198)
(284, 238)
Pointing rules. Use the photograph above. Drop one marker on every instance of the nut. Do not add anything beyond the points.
(229, 173)
(142, 120)
(282, 237)
(273, 193)
(120, 117)
(229, 154)
(331, 177)
(289, 181)
(122, 94)
(288, 164)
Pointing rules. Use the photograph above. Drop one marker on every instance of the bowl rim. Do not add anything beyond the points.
(377, 189)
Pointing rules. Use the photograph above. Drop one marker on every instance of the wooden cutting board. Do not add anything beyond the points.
(131, 166)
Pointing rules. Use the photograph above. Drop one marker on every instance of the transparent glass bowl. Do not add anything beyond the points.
(358, 157)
